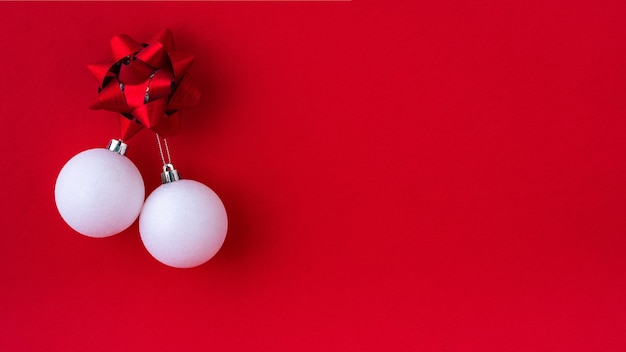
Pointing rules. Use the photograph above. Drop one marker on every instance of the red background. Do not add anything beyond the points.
(420, 176)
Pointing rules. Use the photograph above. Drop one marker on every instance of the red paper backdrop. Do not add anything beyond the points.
(418, 176)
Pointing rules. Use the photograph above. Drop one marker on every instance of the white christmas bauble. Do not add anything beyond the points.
(183, 223)
(99, 193)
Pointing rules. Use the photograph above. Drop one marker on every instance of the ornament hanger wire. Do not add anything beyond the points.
(167, 150)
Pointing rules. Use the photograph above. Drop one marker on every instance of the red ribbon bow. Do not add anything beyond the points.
(145, 84)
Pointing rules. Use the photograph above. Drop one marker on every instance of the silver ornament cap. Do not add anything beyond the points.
(117, 146)
(169, 174)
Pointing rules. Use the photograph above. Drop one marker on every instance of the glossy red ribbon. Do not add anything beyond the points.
(145, 84)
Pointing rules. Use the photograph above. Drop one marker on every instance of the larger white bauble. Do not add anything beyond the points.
(183, 223)
(99, 193)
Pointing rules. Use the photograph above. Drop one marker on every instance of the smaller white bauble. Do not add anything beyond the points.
(183, 223)
(99, 193)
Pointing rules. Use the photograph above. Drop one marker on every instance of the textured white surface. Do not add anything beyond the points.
(183, 224)
(99, 193)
